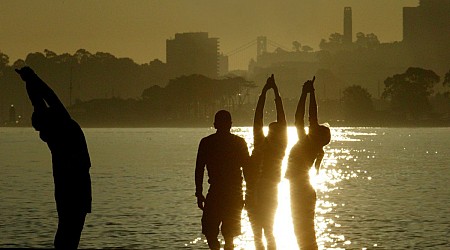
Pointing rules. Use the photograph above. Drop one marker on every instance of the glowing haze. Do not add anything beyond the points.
(138, 29)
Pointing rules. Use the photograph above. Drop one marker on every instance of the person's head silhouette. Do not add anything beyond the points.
(46, 121)
(320, 134)
(222, 120)
(49, 121)
(40, 119)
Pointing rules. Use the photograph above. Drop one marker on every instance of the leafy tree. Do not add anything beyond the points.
(49, 53)
(334, 42)
(296, 46)
(96, 75)
(155, 100)
(366, 41)
(447, 79)
(307, 48)
(11, 89)
(82, 55)
(196, 96)
(19, 64)
(357, 103)
(409, 92)
(336, 38)
(153, 92)
(4, 59)
(441, 104)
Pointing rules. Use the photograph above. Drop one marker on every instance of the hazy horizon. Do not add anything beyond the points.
(138, 29)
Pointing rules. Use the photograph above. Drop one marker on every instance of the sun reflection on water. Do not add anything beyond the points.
(335, 169)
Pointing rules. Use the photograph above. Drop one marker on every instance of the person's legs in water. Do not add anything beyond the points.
(229, 245)
(256, 227)
(251, 205)
(70, 226)
(268, 230)
(268, 233)
(303, 199)
(259, 245)
(269, 193)
(231, 219)
(211, 221)
(213, 242)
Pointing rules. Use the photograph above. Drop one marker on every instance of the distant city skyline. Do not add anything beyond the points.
(139, 29)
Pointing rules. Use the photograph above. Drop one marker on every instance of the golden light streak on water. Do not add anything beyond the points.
(283, 228)
(325, 182)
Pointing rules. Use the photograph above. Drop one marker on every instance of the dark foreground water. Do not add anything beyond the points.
(379, 188)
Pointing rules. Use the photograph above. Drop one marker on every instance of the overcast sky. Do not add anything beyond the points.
(138, 29)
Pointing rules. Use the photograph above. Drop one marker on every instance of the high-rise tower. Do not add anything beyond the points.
(427, 24)
(348, 33)
(193, 53)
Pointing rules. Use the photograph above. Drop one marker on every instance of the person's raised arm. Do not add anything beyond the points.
(27, 74)
(258, 124)
(199, 173)
(313, 120)
(300, 113)
(281, 116)
(44, 91)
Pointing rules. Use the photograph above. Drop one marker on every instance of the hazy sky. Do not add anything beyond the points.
(138, 29)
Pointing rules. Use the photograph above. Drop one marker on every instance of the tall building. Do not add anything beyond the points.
(426, 33)
(193, 53)
(223, 65)
(427, 23)
(348, 30)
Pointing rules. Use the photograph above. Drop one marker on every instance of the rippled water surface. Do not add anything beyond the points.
(379, 188)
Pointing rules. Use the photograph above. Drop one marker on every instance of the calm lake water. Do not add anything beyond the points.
(379, 188)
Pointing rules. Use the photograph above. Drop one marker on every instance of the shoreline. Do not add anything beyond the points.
(340, 125)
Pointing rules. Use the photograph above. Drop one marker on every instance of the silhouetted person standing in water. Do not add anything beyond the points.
(224, 155)
(70, 159)
(306, 152)
(264, 173)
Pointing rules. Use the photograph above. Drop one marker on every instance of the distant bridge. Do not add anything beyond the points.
(241, 55)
